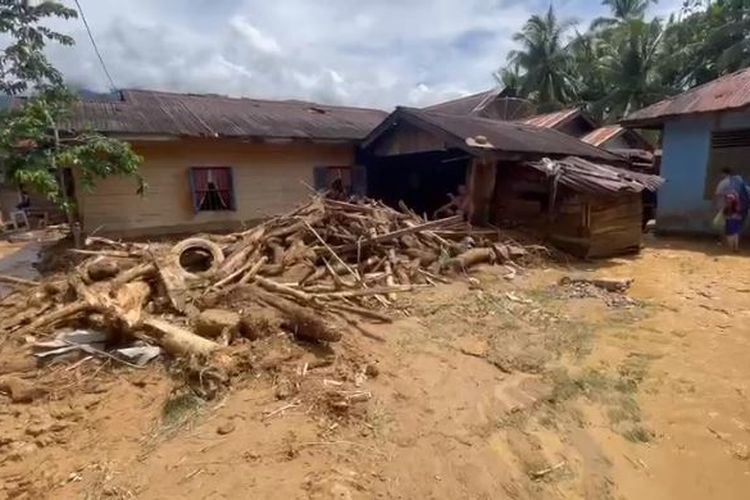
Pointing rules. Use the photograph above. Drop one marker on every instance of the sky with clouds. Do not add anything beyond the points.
(376, 53)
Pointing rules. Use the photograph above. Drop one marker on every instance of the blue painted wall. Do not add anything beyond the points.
(686, 144)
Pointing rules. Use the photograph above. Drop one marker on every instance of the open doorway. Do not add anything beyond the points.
(421, 180)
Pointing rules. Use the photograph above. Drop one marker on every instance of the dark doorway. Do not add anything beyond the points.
(421, 180)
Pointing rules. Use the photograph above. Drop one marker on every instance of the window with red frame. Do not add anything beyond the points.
(212, 188)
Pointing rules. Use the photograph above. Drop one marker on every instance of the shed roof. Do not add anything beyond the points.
(603, 134)
(146, 112)
(585, 176)
(488, 104)
(557, 118)
(467, 105)
(726, 93)
(478, 135)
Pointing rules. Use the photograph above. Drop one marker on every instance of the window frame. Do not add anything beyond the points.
(194, 191)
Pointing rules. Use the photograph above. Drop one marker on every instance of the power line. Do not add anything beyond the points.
(96, 49)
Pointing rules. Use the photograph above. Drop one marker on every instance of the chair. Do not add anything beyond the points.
(15, 215)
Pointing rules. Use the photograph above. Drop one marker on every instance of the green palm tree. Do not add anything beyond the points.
(545, 59)
(510, 79)
(622, 11)
(631, 66)
(588, 51)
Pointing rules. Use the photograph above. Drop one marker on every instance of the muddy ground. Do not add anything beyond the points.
(488, 388)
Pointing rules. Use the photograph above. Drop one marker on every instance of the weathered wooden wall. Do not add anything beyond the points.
(268, 179)
(585, 225)
(593, 226)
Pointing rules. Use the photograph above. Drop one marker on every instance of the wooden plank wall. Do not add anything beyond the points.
(267, 180)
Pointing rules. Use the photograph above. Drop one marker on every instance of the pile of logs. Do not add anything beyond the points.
(321, 269)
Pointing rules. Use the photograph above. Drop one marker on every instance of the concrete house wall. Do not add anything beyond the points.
(683, 206)
(268, 179)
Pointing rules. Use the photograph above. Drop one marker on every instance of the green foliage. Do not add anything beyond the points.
(33, 157)
(545, 60)
(23, 61)
(625, 61)
(36, 146)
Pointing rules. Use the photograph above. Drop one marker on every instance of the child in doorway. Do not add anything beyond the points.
(733, 221)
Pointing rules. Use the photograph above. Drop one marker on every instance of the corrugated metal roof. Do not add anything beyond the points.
(585, 176)
(468, 105)
(728, 92)
(489, 104)
(603, 134)
(479, 135)
(146, 112)
(552, 120)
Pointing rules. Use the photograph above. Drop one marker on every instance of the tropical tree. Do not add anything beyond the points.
(707, 40)
(630, 67)
(511, 79)
(545, 60)
(622, 11)
(625, 61)
(587, 52)
(36, 147)
(22, 62)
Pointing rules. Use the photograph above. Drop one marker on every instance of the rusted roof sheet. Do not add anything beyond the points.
(145, 112)
(477, 135)
(468, 105)
(602, 135)
(552, 120)
(585, 176)
(726, 93)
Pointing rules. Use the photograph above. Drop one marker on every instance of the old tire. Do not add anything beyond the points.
(217, 256)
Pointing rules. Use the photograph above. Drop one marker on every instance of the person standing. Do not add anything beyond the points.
(733, 221)
(732, 183)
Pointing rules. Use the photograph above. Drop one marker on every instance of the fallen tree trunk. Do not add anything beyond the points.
(144, 270)
(471, 258)
(12, 280)
(300, 321)
(131, 299)
(178, 341)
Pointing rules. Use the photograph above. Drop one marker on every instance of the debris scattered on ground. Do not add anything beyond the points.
(609, 284)
(314, 273)
(610, 290)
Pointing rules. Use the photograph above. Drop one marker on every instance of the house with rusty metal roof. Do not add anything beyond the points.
(704, 130)
(214, 162)
(585, 204)
(495, 104)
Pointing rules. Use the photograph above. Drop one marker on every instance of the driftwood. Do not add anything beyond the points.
(178, 341)
(144, 270)
(12, 280)
(401, 232)
(131, 298)
(303, 322)
(253, 271)
(471, 258)
(322, 267)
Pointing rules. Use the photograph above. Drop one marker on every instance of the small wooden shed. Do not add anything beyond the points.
(588, 209)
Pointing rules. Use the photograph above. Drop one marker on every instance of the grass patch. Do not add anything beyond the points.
(638, 434)
(615, 392)
(180, 408)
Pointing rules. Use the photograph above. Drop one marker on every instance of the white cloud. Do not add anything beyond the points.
(378, 53)
(253, 36)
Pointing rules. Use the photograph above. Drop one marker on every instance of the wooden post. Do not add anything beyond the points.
(482, 174)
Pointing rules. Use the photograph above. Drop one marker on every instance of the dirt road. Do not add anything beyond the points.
(493, 389)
